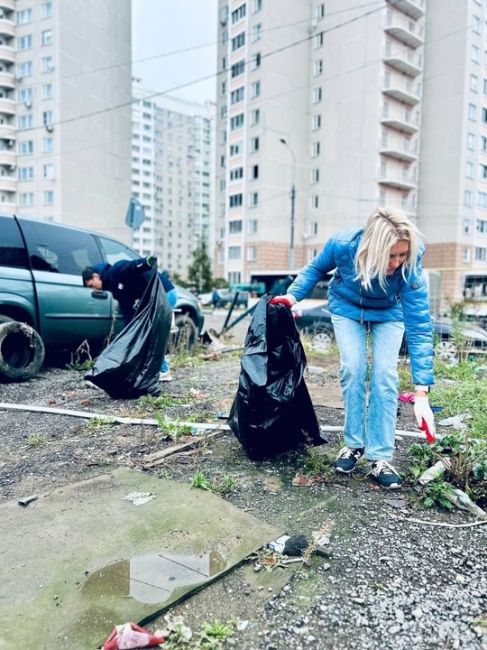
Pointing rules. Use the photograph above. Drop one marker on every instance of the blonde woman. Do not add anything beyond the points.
(377, 293)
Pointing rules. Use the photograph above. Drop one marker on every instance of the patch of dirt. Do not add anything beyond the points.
(388, 582)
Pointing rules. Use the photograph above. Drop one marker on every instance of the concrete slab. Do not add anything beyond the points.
(81, 559)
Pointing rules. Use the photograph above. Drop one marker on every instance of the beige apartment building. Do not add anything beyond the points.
(348, 106)
(172, 161)
(65, 114)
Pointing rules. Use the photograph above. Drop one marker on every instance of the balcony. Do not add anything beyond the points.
(7, 132)
(403, 59)
(7, 54)
(403, 29)
(7, 106)
(8, 184)
(413, 8)
(7, 5)
(7, 28)
(400, 119)
(7, 80)
(7, 158)
(404, 90)
(399, 179)
(399, 148)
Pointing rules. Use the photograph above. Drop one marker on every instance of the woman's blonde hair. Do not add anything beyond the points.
(382, 231)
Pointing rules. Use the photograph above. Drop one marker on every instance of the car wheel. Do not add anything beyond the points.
(21, 351)
(322, 340)
(446, 351)
(185, 336)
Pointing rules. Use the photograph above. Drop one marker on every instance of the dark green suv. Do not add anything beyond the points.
(40, 284)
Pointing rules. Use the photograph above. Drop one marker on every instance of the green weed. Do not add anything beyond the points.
(435, 494)
(36, 440)
(161, 402)
(95, 424)
(317, 463)
(81, 358)
(171, 428)
(200, 481)
(221, 485)
(214, 634)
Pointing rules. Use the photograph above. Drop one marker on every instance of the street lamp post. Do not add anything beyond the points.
(293, 203)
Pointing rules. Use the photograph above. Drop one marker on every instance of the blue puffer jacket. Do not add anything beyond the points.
(403, 300)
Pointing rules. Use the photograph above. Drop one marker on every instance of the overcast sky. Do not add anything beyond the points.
(161, 26)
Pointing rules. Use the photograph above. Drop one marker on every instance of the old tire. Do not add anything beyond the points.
(185, 337)
(21, 351)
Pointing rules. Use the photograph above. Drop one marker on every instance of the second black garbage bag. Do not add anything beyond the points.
(129, 366)
(272, 411)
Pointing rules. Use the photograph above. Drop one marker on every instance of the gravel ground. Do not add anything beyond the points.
(388, 582)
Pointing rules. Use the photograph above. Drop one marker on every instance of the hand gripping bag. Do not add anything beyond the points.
(272, 411)
(130, 365)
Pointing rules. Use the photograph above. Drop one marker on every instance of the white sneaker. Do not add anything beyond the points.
(166, 376)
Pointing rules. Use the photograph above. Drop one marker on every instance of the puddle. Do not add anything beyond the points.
(153, 578)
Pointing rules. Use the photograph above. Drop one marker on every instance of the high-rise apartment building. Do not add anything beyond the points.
(329, 109)
(65, 114)
(172, 160)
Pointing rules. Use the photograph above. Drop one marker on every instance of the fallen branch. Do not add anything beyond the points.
(444, 523)
(151, 460)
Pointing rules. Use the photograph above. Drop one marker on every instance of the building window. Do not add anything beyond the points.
(472, 112)
(315, 149)
(474, 80)
(236, 122)
(234, 227)
(255, 89)
(255, 117)
(254, 172)
(238, 68)
(318, 68)
(254, 145)
(315, 176)
(47, 118)
(26, 147)
(24, 69)
(255, 61)
(253, 199)
(482, 172)
(469, 169)
(315, 201)
(466, 226)
(320, 11)
(235, 200)
(236, 149)
(482, 200)
(48, 171)
(475, 54)
(24, 17)
(319, 40)
(234, 252)
(476, 24)
(238, 41)
(480, 254)
(239, 13)
(256, 6)
(256, 32)
(237, 95)
(468, 199)
(317, 95)
(466, 255)
(47, 91)
(26, 199)
(251, 254)
(471, 141)
(316, 122)
(46, 9)
(47, 37)
(48, 197)
(481, 226)
(252, 226)
(47, 64)
(236, 173)
(47, 145)
(25, 122)
(24, 42)
(26, 173)
(25, 95)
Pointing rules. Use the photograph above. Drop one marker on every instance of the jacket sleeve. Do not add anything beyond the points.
(418, 327)
(322, 264)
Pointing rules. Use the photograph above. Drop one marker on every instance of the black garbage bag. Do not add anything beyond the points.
(130, 365)
(272, 411)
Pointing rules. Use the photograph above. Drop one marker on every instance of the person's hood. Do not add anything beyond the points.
(100, 267)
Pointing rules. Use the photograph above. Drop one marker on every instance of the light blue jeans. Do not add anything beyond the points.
(368, 376)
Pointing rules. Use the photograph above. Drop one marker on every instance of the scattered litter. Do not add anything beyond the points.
(242, 625)
(406, 397)
(301, 480)
(457, 421)
(139, 498)
(26, 500)
(278, 544)
(464, 502)
(435, 471)
(316, 370)
(175, 626)
(130, 635)
(295, 545)
(196, 393)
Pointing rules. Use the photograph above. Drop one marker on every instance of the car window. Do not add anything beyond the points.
(114, 251)
(12, 251)
(59, 250)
